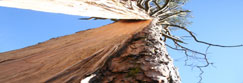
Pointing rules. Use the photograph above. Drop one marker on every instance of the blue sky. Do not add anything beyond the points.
(214, 21)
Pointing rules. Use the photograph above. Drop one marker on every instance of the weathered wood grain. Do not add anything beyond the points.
(67, 58)
(112, 9)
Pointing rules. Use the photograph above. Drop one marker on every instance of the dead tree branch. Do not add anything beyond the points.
(147, 6)
(164, 7)
(203, 42)
(185, 49)
(156, 2)
(171, 14)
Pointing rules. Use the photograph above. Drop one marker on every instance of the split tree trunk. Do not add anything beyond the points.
(125, 51)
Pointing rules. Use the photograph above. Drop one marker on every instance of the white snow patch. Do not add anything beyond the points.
(86, 80)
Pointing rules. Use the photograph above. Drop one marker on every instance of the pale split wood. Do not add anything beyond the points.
(68, 58)
(111, 9)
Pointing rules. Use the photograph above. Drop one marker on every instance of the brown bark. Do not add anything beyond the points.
(143, 60)
(69, 58)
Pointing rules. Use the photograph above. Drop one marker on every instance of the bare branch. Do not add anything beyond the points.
(161, 9)
(156, 2)
(187, 55)
(200, 75)
(147, 6)
(140, 4)
(172, 14)
(90, 18)
(203, 54)
(195, 38)
(172, 38)
(167, 31)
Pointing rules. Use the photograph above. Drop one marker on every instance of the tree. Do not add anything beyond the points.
(165, 14)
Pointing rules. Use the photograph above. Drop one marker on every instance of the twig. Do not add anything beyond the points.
(195, 38)
(172, 38)
(172, 14)
(167, 31)
(147, 6)
(161, 9)
(157, 4)
(140, 4)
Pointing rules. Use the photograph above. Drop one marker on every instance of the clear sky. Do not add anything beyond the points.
(214, 21)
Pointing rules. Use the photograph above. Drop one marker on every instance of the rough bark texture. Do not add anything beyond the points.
(69, 58)
(143, 60)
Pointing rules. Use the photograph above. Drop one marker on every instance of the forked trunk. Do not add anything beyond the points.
(125, 51)
(128, 51)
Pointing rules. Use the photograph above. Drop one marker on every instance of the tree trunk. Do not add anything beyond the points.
(143, 60)
(125, 51)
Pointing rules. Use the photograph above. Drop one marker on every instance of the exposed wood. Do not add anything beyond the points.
(112, 9)
(68, 58)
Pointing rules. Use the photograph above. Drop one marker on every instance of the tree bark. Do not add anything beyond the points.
(143, 60)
